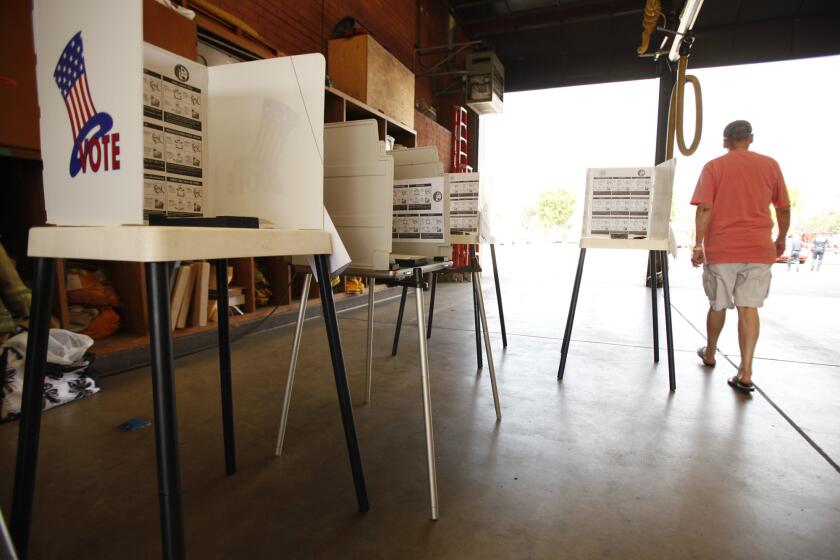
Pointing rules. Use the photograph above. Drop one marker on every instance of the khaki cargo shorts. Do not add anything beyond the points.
(736, 284)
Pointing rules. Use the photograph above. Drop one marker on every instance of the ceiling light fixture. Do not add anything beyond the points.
(687, 19)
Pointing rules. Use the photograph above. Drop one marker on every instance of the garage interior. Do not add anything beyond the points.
(607, 463)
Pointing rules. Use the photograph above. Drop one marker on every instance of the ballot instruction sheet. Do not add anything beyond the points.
(418, 209)
(463, 205)
(618, 202)
(174, 134)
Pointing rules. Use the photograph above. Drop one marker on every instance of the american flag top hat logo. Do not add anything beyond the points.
(93, 147)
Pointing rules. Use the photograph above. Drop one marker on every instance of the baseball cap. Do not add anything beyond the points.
(737, 129)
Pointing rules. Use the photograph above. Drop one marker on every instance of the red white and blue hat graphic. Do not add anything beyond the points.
(71, 78)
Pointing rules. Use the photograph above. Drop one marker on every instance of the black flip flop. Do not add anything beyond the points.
(701, 353)
(736, 384)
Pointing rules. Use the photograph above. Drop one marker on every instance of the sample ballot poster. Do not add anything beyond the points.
(418, 209)
(174, 134)
(618, 202)
(463, 202)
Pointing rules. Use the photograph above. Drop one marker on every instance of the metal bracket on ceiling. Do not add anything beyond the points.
(450, 90)
(426, 51)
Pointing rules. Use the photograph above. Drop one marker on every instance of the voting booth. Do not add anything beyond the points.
(146, 131)
(630, 208)
(624, 205)
(421, 206)
(384, 203)
(358, 190)
(129, 130)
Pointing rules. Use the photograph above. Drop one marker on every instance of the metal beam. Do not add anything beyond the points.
(551, 17)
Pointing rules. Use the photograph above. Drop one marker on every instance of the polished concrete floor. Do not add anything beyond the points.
(607, 464)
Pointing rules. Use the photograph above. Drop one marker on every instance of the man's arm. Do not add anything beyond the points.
(783, 221)
(701, 221)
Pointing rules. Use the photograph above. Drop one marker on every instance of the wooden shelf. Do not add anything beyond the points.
(125, 342)
(340, 107)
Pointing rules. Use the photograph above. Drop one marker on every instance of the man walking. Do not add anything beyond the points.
(818, 251)
(734, 240)
(795, 250)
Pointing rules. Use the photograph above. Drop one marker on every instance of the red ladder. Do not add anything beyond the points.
(460, 253)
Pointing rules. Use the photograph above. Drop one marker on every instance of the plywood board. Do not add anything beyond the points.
(390, 85)
(365, 70)
(186, 304)
(200, 298)
(178, 294)
(347, 60)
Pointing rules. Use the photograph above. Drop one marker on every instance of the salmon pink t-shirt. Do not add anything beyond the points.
(740, 186)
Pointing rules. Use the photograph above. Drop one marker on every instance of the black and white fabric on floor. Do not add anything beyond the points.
(68, 362)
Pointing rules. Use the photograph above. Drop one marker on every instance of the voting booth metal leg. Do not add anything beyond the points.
(669, 333)
(166, 428)
(476, 314)
(498, 295)
(477, 281)
(427, 394)
(340, 373)
(7, 552)
(399, 321)
(567, 335)
(432, 305)
(369, 373)
(223, 305)
(30, 413)
(290, 381)
(654, 303)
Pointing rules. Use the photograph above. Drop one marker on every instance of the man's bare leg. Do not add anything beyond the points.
(714, 324)
(748, 329)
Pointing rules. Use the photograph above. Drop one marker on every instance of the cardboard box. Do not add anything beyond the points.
(362, 68)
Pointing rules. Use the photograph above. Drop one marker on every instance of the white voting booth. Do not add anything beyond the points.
(464, 203)
(629, 208)
(128, 129)
(384, 203)
(425, 230)
(358, 190)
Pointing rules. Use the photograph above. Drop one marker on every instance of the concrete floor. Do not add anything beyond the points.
(607, 464)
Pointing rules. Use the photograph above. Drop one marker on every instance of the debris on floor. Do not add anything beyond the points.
(66, 379)
(134, 424)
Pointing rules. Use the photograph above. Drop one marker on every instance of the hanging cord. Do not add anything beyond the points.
(653, 13)
(676, 110)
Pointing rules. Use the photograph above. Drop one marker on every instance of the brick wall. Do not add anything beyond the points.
(430, 133)
(303, 26)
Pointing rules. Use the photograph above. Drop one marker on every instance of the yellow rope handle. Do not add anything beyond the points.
(653, 11)
(676, 109)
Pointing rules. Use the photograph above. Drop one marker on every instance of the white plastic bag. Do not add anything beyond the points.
(64, 348)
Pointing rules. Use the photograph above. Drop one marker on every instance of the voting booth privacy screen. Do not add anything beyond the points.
(358, 190)
(629, 202)
(90, 93)
(128, 129)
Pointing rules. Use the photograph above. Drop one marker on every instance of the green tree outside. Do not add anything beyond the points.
(822, 223)
(552, 209)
